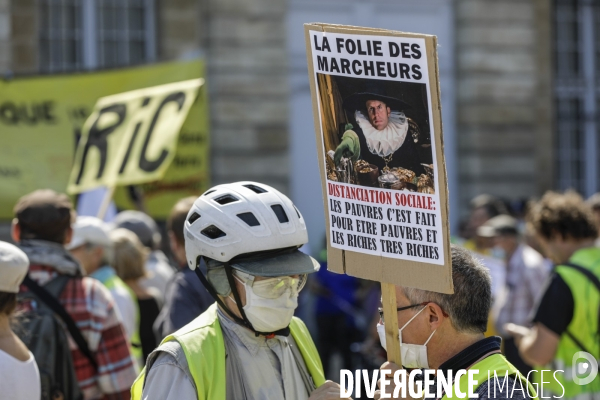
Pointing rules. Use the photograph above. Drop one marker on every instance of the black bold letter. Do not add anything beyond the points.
(97, 138)
(152, 165)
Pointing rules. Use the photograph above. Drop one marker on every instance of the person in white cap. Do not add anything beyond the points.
(248, 345)
(20, 378)
(92, 247)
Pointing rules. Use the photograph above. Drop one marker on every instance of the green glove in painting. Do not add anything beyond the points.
(349, 147)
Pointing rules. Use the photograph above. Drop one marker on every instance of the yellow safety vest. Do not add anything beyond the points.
(204, 348)
(498, 364)
(584, 326)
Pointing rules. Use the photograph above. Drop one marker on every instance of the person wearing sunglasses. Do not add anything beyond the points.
(248, 344)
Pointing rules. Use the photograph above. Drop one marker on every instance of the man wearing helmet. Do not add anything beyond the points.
(247, 345)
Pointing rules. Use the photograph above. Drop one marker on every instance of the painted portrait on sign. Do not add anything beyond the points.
(377, 133)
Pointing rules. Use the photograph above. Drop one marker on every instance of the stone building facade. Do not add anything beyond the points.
(244, 44)
(500, 86)
(504, 121)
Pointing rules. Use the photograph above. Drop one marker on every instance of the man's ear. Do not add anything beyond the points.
(15, 231)
(436, 315)
(68, 236)
(389, 110)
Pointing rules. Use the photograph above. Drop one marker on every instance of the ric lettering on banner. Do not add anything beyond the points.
(131, 137)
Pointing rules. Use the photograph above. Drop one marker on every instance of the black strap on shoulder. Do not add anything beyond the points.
(594, 279)
(589, 274)
(58, 309)
(577, 342)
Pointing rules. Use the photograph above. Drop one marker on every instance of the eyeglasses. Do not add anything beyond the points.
(406, 308)
(272, 288)
(401, 309)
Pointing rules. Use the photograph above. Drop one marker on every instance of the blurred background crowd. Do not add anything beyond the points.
(153, 293)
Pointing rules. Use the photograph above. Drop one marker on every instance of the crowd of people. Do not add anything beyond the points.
(96, 310)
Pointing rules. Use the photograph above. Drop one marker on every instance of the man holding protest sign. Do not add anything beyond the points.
(451, 326)
(444, 332)
(436, 299)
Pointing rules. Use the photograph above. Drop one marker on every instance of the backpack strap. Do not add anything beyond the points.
(59, 310)
(589, 274)
(594, 279)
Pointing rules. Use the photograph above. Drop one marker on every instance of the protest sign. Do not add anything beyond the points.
(41, 119)
(130, 137)
(376, 102)
(376, 105)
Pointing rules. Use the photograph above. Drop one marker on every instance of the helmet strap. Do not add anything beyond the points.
(244, 320)
(236, 296)
(213, 292)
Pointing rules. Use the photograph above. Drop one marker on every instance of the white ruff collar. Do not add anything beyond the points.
(387, 141)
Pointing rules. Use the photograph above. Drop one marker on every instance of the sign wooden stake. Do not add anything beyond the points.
(106, 202)
(392, 339)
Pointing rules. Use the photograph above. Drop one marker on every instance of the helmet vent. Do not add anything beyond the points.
(226, 199)
(298, 213)
(249, 218)
(212, 232)
(193, 217)
(209, 192)
(256, 189)
(280, 213)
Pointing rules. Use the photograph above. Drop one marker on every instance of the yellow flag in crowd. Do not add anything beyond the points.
(42, 120)
(130, 137)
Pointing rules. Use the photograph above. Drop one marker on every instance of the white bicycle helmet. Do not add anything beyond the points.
(251, 225)
(246, 226)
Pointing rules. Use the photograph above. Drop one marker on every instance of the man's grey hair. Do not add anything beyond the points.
(470, 304)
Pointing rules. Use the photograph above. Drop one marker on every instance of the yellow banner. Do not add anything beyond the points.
(130, 137)
(41, 120)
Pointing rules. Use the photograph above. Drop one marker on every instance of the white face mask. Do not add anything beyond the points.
(269, 315)
(413, 355)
